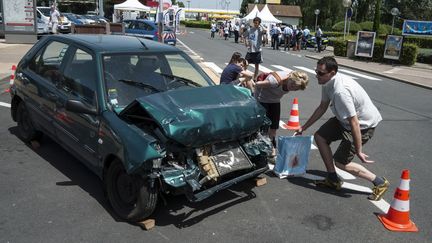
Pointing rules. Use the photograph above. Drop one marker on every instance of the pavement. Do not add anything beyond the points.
(419, 74)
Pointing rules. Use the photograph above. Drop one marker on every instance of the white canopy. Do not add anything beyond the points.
(267, 17)
(131, 5)
(252, 14)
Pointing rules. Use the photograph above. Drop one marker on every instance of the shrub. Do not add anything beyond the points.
(340, 47)
(422, 42)
(339, 27)
(378, 53)
(425, 56)
(368, 26)
(409, 54)
(198, 24)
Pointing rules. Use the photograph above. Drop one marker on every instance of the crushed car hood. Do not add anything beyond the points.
(198, 116)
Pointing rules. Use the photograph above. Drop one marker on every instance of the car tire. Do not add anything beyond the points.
(26, 129)
(130, 195)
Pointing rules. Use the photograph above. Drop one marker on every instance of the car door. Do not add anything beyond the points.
(38, 78)
(79, 131)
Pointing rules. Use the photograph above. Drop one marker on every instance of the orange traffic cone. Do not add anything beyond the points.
(294, 120)
(397, 217)
(12, 78)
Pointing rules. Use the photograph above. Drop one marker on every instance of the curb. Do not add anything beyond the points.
(378, 74)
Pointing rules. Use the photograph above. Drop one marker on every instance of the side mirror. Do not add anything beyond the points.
(79, 107)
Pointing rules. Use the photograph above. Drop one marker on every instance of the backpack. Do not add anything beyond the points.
(299, 34)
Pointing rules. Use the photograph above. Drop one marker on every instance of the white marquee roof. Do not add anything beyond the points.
(266, 16)
(252, 14)
(131, 5)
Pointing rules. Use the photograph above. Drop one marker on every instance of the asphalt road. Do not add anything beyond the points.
(48, 196)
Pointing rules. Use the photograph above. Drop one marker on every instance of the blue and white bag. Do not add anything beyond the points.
(293, 155)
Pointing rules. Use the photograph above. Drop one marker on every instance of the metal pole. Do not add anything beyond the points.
(392, 24)
(101, 8)
(345, 25)
(160, 21)
(316, 21)
(349, 23)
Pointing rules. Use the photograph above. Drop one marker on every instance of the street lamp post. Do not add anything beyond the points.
(188, 1)
(317, 12)
(346, 4)
(394, 12)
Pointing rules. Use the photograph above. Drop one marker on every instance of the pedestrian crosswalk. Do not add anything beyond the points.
(351, 74)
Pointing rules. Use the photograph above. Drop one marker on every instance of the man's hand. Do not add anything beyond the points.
(362, 156)
(298, 132)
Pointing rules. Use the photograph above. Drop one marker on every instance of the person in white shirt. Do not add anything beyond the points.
(318, 35)
(356, 118)
(288, 32)
(54, 19)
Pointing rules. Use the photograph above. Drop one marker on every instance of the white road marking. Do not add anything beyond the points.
(187, 47)
(313, 71)
(305, 69)
(382, 205)
(282, 125)
(355, 187)
(345, 175)
(312, 177)
(213, 66)
(261, 68)
(5, 104)
(282, 68)
(358, 74)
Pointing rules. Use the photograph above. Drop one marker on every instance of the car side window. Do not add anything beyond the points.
(47, 63)
(80, 77)
(141, 26)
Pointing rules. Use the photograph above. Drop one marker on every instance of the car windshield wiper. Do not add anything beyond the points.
(186, 81)
(138, 84)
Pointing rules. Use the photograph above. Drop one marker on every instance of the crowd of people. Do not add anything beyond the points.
(355, 115)
(288, 36)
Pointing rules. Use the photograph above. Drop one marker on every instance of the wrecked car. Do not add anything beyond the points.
(141, 115)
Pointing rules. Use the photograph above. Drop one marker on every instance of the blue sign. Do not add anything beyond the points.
(349, 12)
(413, 27)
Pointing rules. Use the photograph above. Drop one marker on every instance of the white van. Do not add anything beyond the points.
(64, 25)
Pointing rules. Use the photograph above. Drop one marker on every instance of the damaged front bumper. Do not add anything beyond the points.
(207, 193)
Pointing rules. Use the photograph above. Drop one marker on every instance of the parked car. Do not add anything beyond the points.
(42, 27)
(85, 20)
(64, 25)
(141, 115)
(149, 30)
(98, 19)
(73, 18)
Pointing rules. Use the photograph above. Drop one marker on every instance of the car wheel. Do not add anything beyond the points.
(26, 129)
(129, 195)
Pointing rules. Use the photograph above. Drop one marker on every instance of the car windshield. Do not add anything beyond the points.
(45, 11)
(129, 76)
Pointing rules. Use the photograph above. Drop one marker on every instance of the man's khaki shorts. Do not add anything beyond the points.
(332, 131)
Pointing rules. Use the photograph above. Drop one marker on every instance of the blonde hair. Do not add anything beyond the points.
(300, 79)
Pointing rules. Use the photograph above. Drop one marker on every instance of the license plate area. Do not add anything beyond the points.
(229, 157)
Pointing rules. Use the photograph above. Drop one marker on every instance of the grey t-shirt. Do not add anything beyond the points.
(274, 93)
(348, 99)
(254, 36)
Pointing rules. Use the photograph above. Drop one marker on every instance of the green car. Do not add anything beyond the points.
(141, 115)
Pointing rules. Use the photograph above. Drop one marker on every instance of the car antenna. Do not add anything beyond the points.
(142, 43)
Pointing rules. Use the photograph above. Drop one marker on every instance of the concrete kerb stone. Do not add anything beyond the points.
(376, 73)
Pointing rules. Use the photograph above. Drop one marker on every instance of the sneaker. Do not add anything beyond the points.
(337, 185)
(378, 191)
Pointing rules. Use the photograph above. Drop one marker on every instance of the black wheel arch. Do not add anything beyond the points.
(14, 106)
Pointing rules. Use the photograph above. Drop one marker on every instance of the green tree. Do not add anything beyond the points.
(181, 4)
(377, 16)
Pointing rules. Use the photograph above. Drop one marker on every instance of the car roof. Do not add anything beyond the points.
(116, 43)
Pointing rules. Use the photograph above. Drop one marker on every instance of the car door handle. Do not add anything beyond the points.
(23, 78)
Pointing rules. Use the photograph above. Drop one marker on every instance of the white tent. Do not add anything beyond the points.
(267, 17)
(131, 5)
(252, 14)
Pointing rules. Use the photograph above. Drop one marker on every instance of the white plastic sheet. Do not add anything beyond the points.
(293, 155)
